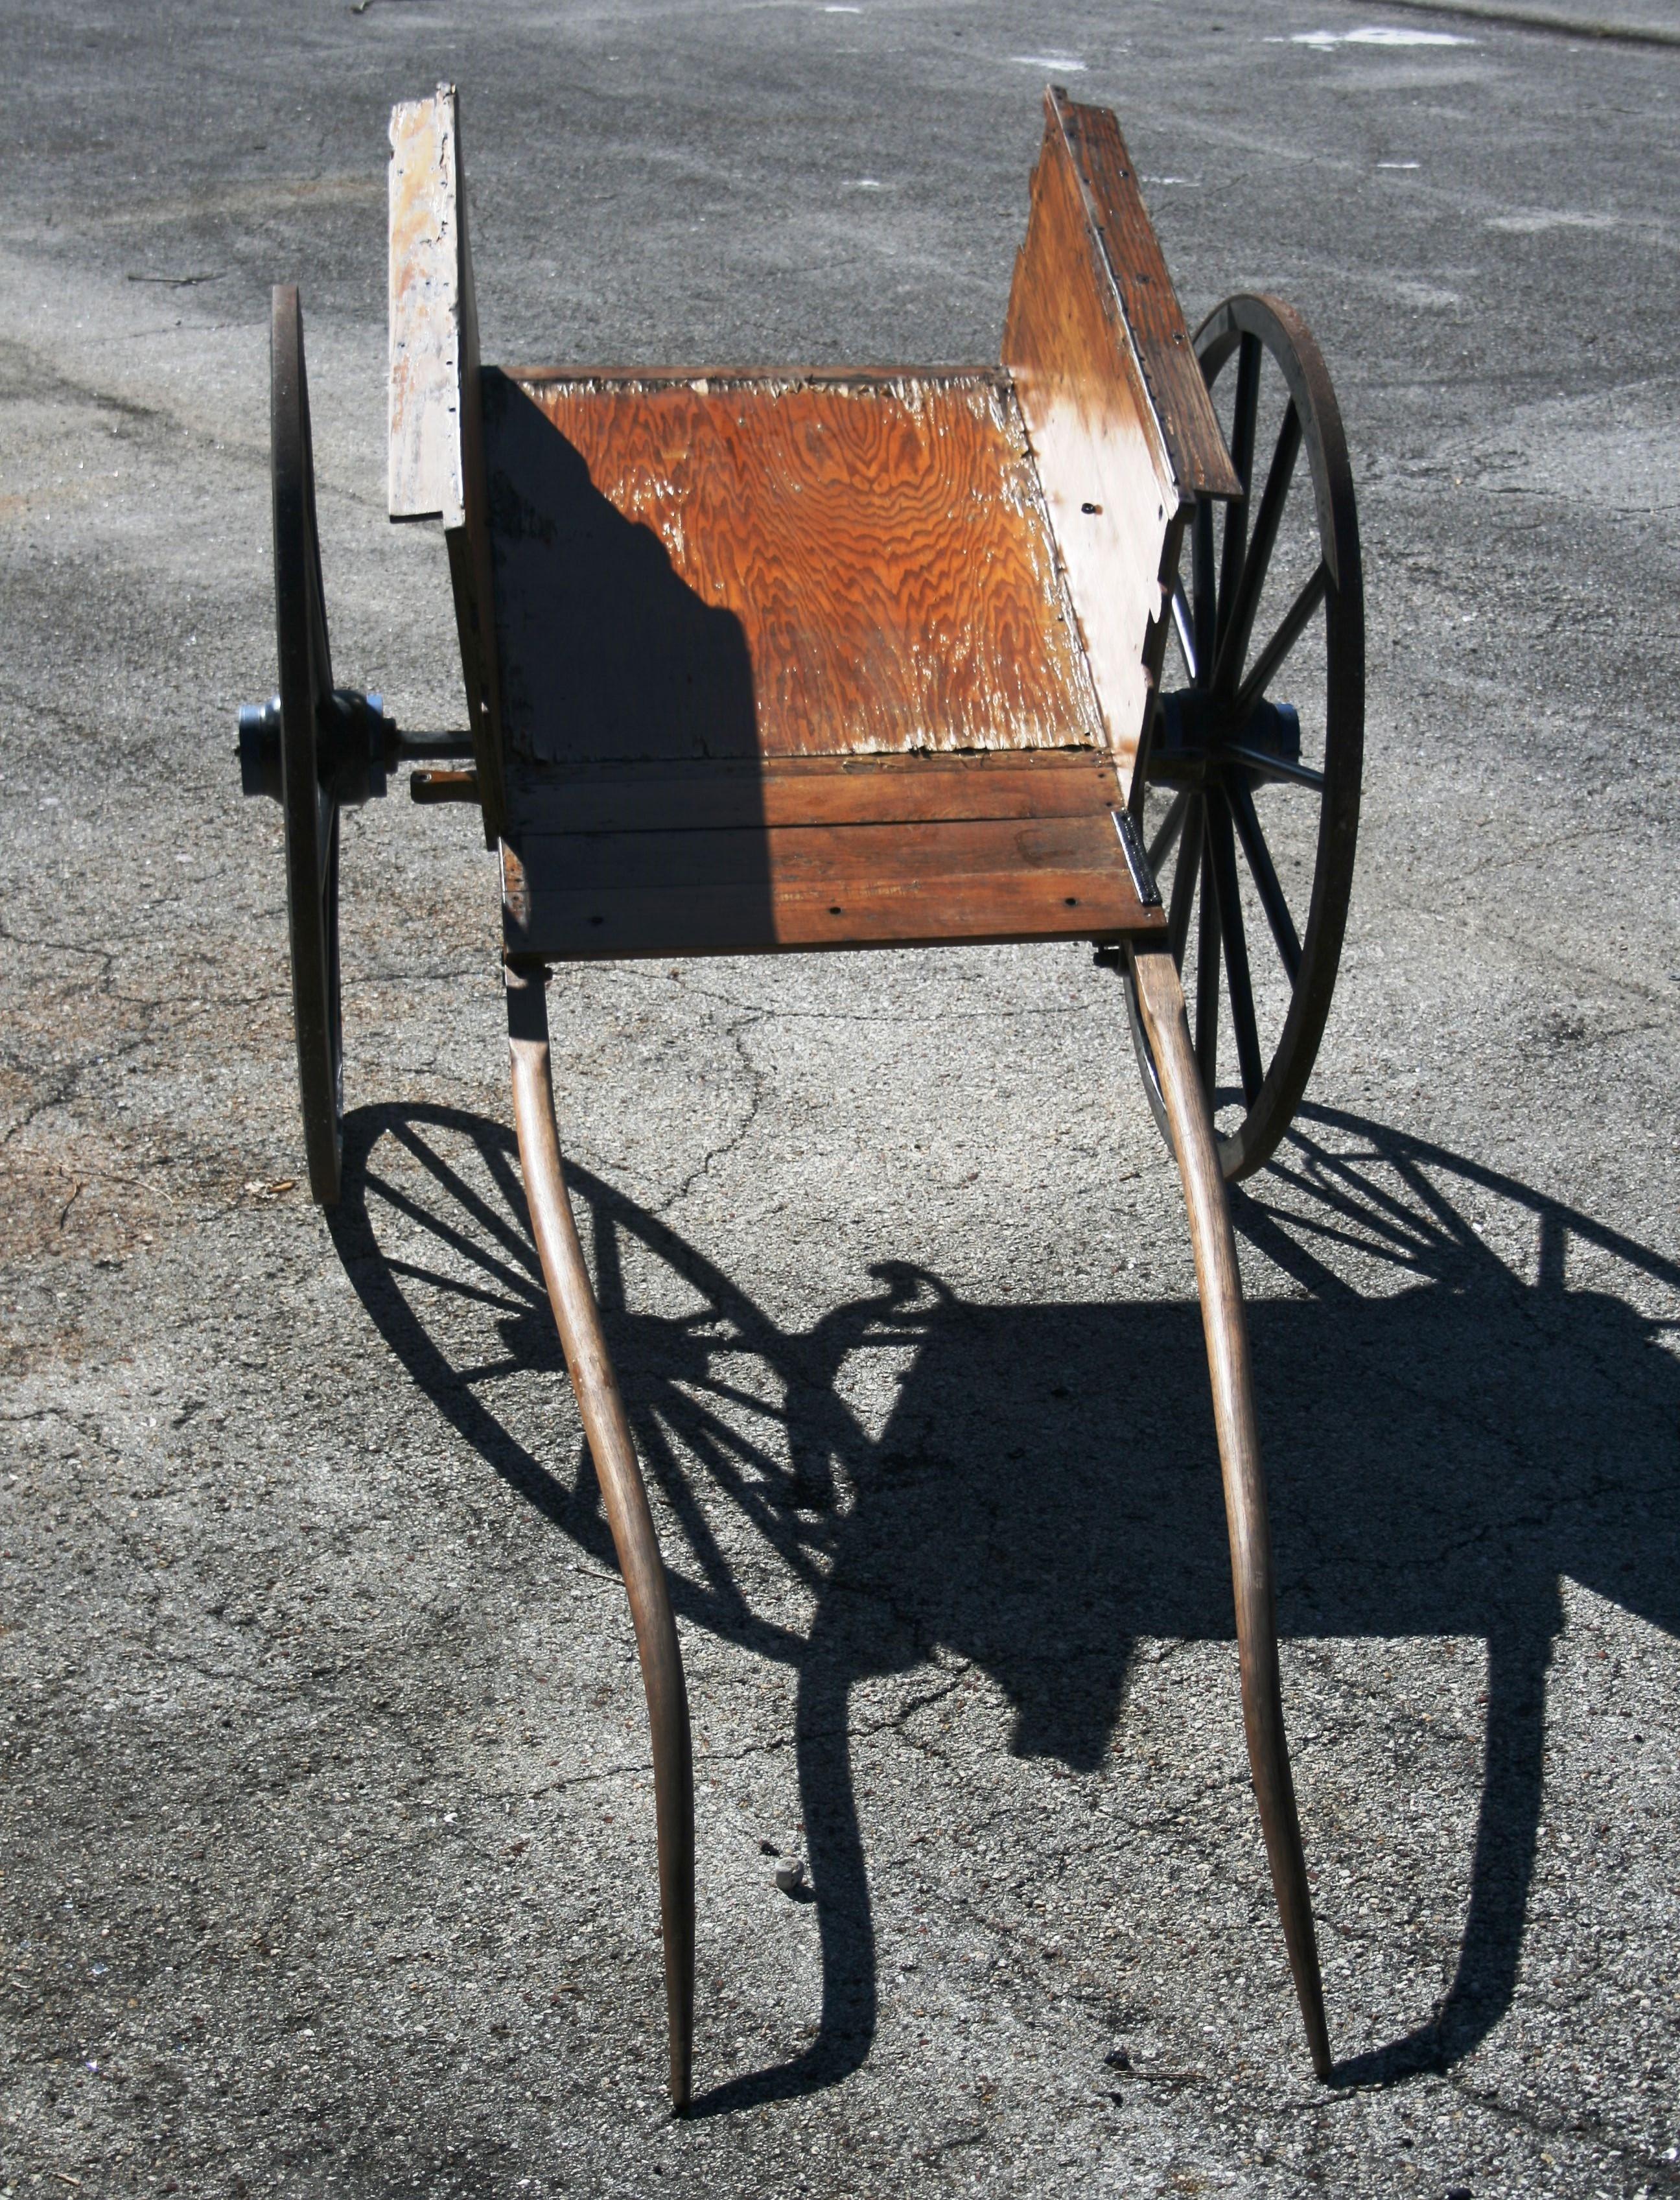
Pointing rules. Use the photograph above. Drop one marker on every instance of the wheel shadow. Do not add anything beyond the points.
(1440, 1454)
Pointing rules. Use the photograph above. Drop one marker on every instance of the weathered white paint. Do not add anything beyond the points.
(1114, 556)
(427, 474)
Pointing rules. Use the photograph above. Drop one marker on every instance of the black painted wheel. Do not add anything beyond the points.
(308, 799)
(1251, 802)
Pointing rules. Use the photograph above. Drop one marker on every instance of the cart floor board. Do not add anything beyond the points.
(737, 859)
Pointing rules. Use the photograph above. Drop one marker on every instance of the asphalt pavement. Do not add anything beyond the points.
(327, 1815)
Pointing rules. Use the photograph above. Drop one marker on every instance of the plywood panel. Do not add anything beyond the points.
(771, 566)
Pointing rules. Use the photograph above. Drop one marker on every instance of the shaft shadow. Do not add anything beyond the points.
(1440, 1452)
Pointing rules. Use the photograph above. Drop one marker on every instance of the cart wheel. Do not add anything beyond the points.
(307, 795)
(1252, 801)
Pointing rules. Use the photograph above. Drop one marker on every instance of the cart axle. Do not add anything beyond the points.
(357, 748)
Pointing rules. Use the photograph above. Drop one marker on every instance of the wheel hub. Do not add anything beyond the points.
(1196, 738)
(356, 748)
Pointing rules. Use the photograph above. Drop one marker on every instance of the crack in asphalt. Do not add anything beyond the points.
(757, 1083)
(850, 1730)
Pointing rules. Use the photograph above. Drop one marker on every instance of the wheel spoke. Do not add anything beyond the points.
(1171, 825)
(1272, 767)
(1201, 579)
(1207, 965)
(1237, 624)
(1184, 881)
(1266, 883)
(1288, 634)
(1242, 457)
(1222, 849)
(1186, 630)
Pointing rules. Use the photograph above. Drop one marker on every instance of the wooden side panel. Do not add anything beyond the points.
(1148, 302)
(426, 473)
(772, 567)
(437, 436)
(1102, 450)
(471, 564)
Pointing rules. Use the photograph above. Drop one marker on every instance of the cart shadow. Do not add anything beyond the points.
(606, 655)
(1031, 1506)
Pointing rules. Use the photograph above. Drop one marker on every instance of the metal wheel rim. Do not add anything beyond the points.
(1281, 333)
(310, 814)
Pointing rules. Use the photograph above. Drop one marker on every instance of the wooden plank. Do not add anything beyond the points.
(436, 461)
(816, 791)
(701, 888)
(425, 470)
(1148, 302)
(1114, 500)
(745, 920)
(774, 568)
(797, 860)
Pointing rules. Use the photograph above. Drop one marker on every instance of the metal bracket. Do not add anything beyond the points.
(1143, 878)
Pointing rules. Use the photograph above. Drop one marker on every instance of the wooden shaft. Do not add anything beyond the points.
(608, 1430)
(1161, 1007)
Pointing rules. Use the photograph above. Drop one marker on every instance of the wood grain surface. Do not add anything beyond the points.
(721, 566)
(794, 860)
(1116, 504)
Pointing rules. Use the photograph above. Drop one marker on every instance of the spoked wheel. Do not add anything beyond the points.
(1250, 801)
(307, 796)
(317, 749)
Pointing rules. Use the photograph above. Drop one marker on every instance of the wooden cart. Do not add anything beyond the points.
(777, 661)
